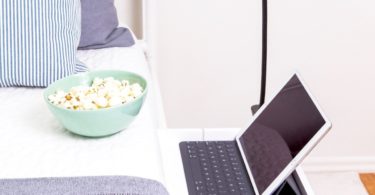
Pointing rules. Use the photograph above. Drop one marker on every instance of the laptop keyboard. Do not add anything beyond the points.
(214, 167)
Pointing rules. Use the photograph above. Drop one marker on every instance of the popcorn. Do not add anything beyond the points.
(103, 93)
(114, 101)
(101, 102)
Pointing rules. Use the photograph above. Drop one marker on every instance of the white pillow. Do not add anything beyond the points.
(38, 41)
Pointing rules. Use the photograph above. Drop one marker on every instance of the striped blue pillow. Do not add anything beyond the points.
(38, 41)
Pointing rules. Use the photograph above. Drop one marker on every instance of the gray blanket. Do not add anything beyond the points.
(119, 185)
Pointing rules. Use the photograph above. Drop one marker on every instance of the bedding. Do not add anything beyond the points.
(34, 144)
(104, 185)
(38, 41)
(37, 143)
(100, 26)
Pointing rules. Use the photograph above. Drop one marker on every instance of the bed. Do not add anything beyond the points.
(34, 144)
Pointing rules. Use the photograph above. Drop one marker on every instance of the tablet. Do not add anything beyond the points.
(283, 131)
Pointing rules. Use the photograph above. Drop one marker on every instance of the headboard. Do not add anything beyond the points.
(130, 13)
(140, 16)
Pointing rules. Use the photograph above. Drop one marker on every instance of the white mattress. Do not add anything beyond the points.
(34, 144)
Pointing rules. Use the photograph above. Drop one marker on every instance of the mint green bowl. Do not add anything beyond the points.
(101, 122)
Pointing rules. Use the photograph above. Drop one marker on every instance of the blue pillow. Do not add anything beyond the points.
(38, 41)
(100, 26)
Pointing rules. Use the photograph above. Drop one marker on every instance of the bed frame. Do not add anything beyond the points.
(140, 16)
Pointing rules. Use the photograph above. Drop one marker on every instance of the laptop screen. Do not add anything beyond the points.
(279, 133)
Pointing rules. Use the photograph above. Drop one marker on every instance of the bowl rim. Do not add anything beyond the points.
(144, 92)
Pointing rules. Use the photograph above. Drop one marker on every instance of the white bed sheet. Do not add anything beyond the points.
(34, 144)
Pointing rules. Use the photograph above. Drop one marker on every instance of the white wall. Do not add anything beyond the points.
(209, 63)
(208, 53)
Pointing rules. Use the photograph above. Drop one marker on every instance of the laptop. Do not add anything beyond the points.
(283, 131)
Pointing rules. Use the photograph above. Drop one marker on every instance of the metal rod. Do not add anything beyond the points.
(264, 53)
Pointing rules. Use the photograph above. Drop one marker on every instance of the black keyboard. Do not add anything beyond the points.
(214, 167)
